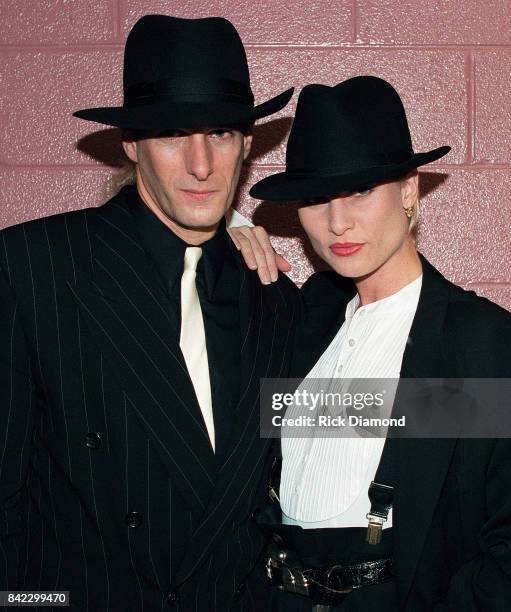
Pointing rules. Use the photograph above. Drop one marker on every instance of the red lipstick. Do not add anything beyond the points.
(346, 248)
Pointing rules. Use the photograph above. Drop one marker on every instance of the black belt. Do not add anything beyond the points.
(326, 585)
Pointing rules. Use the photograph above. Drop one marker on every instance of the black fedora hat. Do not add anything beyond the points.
(343, 138)
(184, 73)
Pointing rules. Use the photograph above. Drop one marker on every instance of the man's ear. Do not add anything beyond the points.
(247, 144)
(130, 148)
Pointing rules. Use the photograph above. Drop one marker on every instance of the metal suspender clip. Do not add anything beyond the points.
(380, 496)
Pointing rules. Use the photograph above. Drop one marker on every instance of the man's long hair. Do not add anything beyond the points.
(125, 175)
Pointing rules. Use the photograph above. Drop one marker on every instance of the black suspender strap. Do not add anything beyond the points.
(381, 489)
(381, 492)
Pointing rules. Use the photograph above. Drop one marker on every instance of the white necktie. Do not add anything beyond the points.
(193, 339)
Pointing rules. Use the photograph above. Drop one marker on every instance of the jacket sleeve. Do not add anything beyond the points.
(481, 344)
(17, 400)
(484, 583)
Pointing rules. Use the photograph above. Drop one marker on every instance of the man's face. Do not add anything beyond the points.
(359, 233)
(189, 177)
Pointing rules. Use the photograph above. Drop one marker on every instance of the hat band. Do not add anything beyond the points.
(385, 159)
(183, 89)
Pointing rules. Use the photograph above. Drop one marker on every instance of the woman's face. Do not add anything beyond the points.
(358, 233)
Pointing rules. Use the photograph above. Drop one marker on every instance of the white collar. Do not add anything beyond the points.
(401, 301)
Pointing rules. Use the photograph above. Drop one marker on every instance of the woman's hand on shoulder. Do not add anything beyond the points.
(258, 253)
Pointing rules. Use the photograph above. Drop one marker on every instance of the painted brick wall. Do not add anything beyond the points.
(450, 61)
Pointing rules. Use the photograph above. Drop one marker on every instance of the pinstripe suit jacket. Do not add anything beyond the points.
(109, 487)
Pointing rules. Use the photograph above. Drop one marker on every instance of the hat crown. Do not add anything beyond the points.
(345, 138)
(184, 73)
(164, 48)
(358, 123)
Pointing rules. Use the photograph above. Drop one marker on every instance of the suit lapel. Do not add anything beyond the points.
(130, 319)
(325, 296)
(422, 464)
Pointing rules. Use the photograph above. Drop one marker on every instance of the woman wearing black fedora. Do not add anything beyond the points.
(364, 523)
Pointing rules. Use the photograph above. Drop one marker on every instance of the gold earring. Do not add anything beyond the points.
(409, 212)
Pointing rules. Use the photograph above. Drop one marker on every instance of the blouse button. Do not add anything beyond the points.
(351, 342)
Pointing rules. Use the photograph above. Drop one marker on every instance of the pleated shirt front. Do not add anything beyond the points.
(325, 480)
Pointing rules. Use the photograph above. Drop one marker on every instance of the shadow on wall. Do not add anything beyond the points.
(104, 146)
(268, 136)
(430, 181)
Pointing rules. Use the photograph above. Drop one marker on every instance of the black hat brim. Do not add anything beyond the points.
(288, 187)
(164, 116)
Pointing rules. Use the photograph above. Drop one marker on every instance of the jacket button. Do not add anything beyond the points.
(173, 598)
(240, 589)
(133, 519)
(93, 439)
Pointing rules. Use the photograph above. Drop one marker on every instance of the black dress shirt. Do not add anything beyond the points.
(218, 281)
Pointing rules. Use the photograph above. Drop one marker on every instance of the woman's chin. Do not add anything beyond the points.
(348, 268)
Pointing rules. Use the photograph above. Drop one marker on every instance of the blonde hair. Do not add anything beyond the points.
(125, 175)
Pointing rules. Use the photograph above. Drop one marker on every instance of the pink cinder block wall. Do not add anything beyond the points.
(450, 61)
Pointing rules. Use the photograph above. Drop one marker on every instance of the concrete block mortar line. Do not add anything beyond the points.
(364, 46)
(57, 168)
(116, 20)
(256, 166)
(63, 48)
(345, 46)
(476, 167)
(354, 20)
(470, 85)
(485, 284)
(479, 167)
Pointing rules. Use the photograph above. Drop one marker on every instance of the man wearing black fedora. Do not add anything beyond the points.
(355, 522)
(132, 343)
